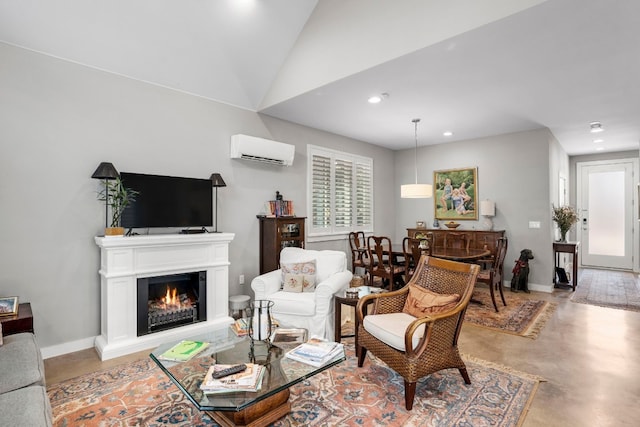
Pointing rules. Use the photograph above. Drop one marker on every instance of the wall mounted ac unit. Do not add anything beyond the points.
(261, 150)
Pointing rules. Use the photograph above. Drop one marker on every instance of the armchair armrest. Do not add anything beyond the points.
(387, 302)
(326, 289)
(266, 284)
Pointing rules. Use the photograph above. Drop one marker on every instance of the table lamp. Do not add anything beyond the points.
(487, 210)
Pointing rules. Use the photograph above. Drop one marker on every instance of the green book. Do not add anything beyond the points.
(184, 350)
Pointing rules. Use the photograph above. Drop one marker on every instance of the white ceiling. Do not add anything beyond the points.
(558, 64)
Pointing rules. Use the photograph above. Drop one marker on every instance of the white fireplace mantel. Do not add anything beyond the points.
(126, 259)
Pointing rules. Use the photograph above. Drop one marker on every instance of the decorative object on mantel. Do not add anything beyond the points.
(416, 191)
(217, 181)
(565, 217)
(115, 195)
(487, 210)
(452, 225)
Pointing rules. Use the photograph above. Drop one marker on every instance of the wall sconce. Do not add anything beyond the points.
(487, 210)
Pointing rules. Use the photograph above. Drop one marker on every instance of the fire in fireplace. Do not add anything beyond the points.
(166, 302)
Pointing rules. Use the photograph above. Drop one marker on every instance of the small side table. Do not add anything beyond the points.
(570, 248)
(338, 301)
(22, 322)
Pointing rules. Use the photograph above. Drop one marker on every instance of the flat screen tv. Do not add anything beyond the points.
(167, 201)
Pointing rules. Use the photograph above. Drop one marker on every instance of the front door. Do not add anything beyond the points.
(605, 204)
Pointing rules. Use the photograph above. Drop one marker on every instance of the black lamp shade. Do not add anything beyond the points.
(105, 171)
(217, 181)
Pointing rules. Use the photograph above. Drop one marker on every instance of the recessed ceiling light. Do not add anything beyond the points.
(599, 148)
(596, 127)
(374, 99)
(599, 140)
(447, 133)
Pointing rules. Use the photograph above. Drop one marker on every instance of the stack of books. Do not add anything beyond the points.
(316, 352)
(240, 327)
(248, 380)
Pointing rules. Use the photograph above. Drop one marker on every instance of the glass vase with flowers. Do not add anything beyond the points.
(565, 217)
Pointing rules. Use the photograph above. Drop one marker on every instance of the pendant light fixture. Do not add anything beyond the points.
(416, 191)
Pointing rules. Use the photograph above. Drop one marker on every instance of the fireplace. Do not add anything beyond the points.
(165, 302)
(203, 259)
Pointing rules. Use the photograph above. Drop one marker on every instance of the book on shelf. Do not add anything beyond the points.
(316, 352)
(184, 351)
(248, 380)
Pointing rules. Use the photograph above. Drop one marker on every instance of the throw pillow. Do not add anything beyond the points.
(422, 302)
(308, 283)
(292, 282)
(307, 269)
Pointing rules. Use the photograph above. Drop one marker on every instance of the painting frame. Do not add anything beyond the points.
(8, 306)
(461, 201)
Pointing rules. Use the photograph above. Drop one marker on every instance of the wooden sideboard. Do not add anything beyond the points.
(477, 238)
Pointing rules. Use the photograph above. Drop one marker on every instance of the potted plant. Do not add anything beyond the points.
(117, 197)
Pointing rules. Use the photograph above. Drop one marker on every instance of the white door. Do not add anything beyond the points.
(605, 205)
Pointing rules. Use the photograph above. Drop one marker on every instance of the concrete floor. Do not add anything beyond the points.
(590, 357)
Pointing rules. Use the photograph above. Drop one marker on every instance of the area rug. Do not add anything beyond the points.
(607, 288)
(522, 316)
(139, 394)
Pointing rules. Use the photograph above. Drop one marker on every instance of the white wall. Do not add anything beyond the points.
(59, 120)
(513, 171)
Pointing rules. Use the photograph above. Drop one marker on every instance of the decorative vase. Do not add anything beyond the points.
(261, 327)
(563, 235)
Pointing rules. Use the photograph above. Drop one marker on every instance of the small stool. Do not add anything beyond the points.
(238, 306)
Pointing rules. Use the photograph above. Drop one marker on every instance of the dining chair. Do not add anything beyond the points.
(457, 240)
(492, 272)
(415, 330)
(381, 262)
(413, 249)
(359, 253)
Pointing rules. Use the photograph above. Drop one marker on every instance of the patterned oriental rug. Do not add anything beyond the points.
(522, 316)
(139, 394)
(606, 288)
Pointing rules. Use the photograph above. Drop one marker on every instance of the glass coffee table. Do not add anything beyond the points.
(254, 409)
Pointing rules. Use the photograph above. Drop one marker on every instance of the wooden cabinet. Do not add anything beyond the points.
(278, 233)
(21, 322)
(477, 238)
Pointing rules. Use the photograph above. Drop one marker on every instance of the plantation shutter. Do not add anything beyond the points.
(340, 192)
(321, 190)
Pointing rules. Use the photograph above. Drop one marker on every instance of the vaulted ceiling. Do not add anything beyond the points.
(473, 68)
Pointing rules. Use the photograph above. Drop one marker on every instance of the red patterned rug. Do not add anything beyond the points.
(522, 316)
(139, 394)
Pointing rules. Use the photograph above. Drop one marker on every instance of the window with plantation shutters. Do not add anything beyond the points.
(340, 192)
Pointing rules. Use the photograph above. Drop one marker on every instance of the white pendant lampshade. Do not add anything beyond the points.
(416, 191)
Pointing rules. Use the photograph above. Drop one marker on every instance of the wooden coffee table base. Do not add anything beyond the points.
(260, 414)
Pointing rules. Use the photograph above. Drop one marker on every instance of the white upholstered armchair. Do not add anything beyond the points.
(313, 311)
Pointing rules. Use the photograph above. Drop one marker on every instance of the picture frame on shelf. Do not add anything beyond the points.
(456, 194)
(8, 306)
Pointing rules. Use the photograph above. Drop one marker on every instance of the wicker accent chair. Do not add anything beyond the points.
(492, 272)
(415, 347)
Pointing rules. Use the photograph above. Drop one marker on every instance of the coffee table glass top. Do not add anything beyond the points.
(226, 348)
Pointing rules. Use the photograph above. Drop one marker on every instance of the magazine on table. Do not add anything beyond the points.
(248, 380)
(184, 351)
(316, 352)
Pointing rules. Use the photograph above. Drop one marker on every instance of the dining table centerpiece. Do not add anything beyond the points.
(565, 217)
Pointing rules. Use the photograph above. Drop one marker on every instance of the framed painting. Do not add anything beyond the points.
(8, 306)
(456, 194)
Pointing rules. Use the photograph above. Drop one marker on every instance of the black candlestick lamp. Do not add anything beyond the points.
(217, 181)
(107, 172)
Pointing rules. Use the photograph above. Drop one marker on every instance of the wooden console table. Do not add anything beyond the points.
(21, 322)
(569, 248)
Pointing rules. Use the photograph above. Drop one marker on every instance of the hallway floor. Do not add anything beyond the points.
(589, 356)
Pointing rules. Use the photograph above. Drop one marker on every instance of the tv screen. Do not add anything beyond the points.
(167, 201)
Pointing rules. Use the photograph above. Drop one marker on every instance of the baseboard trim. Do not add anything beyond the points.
(68, 347)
